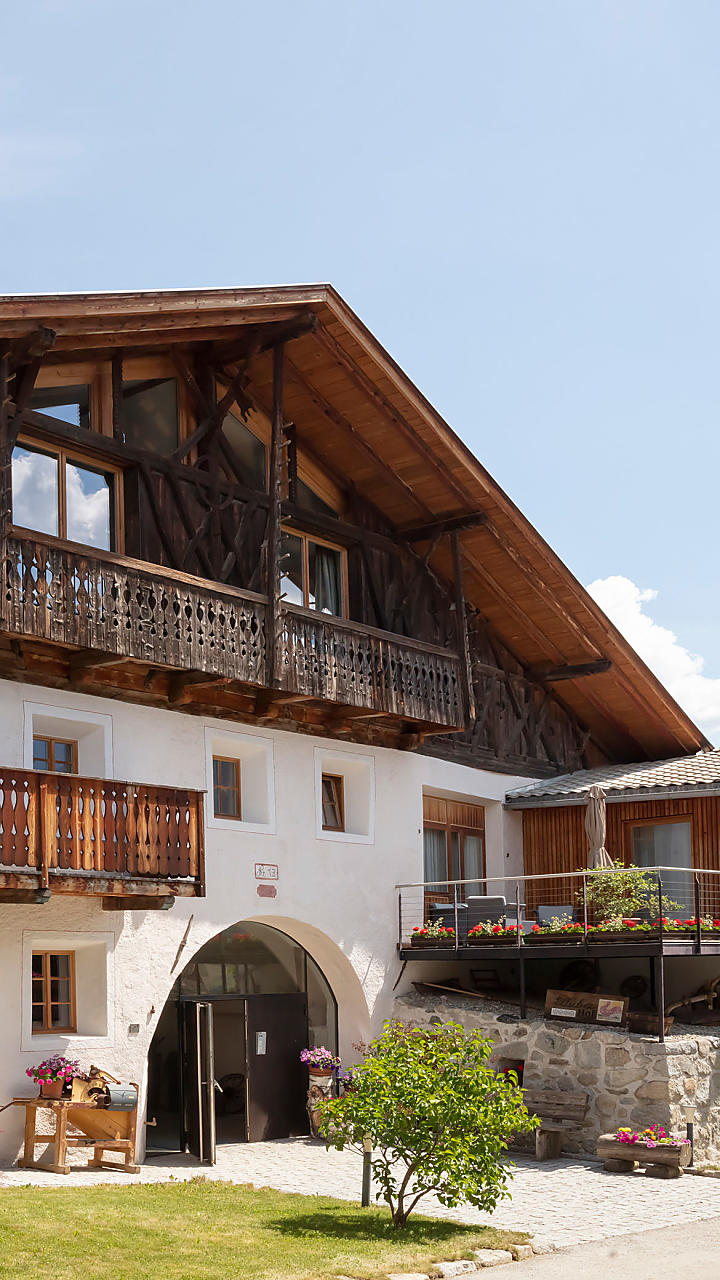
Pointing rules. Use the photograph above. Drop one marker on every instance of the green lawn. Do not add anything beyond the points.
(212, 1231)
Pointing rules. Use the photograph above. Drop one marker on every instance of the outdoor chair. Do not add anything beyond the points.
(445, 911)
(480, 909)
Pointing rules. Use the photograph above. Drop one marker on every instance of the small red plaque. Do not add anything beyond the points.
(267, 891)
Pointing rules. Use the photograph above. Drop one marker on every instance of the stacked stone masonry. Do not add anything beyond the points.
(631, 1079)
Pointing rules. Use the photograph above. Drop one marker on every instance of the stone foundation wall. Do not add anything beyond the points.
(631, 1079)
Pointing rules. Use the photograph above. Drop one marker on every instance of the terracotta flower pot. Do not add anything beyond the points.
(51, 1088)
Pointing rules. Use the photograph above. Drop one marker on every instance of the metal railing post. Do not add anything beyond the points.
(660, 971)
(585, 911)
(517, 914)
(455, 910)
(698, 928)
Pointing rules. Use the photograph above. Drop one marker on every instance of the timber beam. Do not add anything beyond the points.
(139, 902)
(182, 687)
(86, 662)
(570, 671)
(447, 524)
(32, 347)
(265, 338)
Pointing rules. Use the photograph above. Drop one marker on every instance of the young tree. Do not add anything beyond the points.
(438, 1117)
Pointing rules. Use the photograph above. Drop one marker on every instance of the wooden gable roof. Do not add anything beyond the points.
(360, 417)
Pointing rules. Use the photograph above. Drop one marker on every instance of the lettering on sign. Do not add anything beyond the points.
(266, 871)
(585, 1006)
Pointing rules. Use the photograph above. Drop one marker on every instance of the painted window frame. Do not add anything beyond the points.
(236, 790)
(65, 742)
(84, 458)
(306, 539)
(47, 1028)
(337, 781)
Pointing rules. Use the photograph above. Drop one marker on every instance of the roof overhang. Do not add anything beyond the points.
(363, 419)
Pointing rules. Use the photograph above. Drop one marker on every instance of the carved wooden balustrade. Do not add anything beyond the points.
(96, 600)
(362, 667)
(90, 835)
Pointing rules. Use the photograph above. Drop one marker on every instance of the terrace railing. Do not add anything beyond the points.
(59, 824)
(580, 906)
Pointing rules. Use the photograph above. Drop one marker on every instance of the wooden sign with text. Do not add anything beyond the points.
(586, 1006)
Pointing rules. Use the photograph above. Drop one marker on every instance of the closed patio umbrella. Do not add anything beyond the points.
(595, 826)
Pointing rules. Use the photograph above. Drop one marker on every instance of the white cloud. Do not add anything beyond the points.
(679, 670)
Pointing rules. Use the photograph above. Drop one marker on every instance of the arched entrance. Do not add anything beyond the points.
(224, 1063)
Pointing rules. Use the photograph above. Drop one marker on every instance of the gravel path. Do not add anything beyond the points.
(560, 1202)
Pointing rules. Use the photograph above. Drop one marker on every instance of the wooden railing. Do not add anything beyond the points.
(97, 600)
(55, 823)
(363, 667)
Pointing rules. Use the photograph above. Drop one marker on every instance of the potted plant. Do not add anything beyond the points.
(319, 1061)
(433, 934)
(621, 928)
(54, 1074)
(486, 931)
(623, 892)
(322, 1066)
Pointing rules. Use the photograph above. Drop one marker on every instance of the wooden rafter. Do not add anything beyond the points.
(446, 524)
(571, 671)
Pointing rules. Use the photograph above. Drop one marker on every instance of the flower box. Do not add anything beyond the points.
(492, 939)
(537, 939)
(677, 1156)
(425, 940)
(623, 935)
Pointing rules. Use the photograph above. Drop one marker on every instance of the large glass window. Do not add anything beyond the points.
(312, 573)
(667, 844)
(69, 404)
(149, 414)
(249, 452)
(57, 494)
(453, 844)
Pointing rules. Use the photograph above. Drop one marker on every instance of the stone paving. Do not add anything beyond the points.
(560, 1202)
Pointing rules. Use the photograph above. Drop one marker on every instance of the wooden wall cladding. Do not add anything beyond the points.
(554, 839)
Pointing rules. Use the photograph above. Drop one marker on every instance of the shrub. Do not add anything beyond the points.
(439, 1119)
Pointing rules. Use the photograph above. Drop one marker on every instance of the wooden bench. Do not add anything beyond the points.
(559, 1110)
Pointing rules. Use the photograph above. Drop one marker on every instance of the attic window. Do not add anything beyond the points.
(248, 450)
(69, 404)
(149, 414)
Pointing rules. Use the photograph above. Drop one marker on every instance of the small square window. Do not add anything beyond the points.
(58, 755)
(226, 787)
(333, 802)
(53, 991)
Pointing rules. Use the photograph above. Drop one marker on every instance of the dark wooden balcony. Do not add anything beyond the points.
(133, 844)
(108, 604)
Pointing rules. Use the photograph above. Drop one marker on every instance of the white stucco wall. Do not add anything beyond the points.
(335, 896)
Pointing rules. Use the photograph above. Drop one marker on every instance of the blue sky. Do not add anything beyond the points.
(520, 197)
